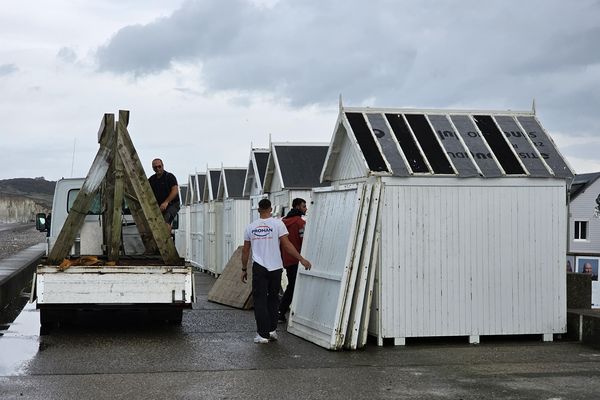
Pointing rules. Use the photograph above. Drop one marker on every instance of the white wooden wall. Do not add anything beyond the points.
(182, 233)
(235, 220)
(472, 257)
(350, 163)
(213, 234)
(197, 235)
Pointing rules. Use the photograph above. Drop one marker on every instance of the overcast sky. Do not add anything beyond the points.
(206, 79)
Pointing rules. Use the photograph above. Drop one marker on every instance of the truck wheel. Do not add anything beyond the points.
(175, 317)
(48, 321)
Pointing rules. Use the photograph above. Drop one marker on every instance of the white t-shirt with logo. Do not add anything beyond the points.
(263, 235)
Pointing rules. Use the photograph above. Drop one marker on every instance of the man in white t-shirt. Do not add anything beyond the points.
(264, 236)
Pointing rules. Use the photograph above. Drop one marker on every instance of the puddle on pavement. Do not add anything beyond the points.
(20, 342)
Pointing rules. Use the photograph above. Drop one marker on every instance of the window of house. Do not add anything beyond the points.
(581, 230)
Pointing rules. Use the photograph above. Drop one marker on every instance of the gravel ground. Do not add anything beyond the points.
(16, 237)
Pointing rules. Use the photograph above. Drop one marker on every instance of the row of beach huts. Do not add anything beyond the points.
(421, 223)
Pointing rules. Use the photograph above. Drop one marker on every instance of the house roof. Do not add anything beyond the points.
(464, 143)
(297, 165)
(582, 182)
(231, 183)
(257, 168)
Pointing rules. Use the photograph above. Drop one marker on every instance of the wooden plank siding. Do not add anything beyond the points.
(472, 257)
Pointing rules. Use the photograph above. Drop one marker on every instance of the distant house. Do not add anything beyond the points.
(584, 228)
(293, 170)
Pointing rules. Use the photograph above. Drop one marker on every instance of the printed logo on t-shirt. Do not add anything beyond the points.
(262, 230)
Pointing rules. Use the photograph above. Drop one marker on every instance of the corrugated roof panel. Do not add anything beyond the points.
(455, 150)
(366, 142)
(429, 144)
(388, 144)
(407, 143)
(481, 154)
(501, 149)
(529, 157)
(545, 146)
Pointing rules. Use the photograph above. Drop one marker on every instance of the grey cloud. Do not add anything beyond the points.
(7, 69)
(409, 53)
(67, 54)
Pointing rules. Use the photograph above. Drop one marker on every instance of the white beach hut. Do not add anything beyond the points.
(436, 223)
(236, 214)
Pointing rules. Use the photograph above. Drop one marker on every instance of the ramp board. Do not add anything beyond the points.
(229, 288)
(329, 243)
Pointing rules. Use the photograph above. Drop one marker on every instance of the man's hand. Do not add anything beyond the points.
(163, 206)
(305, 263)
(244, 276)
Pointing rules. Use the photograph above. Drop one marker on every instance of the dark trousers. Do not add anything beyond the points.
(265, 291)
(286, 299)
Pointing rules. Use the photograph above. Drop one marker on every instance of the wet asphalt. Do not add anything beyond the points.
(212, 356)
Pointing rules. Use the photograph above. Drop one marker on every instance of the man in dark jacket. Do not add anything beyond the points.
(294, 222)
(165, 188)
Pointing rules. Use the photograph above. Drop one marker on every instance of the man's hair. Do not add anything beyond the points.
(264, 204)
(297, 202)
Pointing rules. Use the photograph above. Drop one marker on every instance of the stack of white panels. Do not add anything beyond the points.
(332, 305)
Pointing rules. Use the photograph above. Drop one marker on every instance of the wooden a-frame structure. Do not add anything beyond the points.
(117, 167)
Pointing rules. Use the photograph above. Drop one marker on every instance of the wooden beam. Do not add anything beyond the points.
(117, 202)
(86, 194)
(143, 192)
(140, 221)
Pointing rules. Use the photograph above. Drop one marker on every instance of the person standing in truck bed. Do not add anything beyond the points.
(166, 190)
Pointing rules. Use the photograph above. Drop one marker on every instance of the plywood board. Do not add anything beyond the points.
(229, 288)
